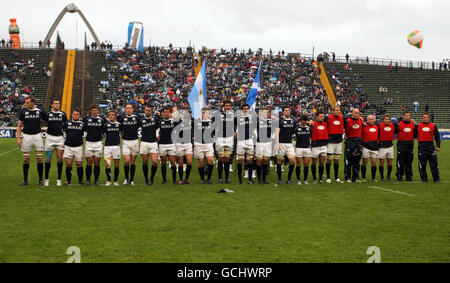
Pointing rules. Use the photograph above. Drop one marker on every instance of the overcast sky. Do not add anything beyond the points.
(374, 28)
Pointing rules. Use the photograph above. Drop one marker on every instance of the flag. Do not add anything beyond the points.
(197, 97)
(251, 97)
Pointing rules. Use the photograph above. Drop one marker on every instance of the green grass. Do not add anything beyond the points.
(288, 223)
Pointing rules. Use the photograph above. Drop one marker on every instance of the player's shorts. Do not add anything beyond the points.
(93, 149)
(244, 147)
(224, 146)
(319, 151)
(167, 149)
(73, 153)
(366, 153)
(30, 141)
(203, 150)
(183, 149)
(149, 147)
(263, 149)
(384, 153)
(112, 151)
(301, 152)
(334, 148)
(54, 142)
(286, 149)
(130, 147)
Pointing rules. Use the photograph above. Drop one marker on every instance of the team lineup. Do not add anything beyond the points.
(223, 135)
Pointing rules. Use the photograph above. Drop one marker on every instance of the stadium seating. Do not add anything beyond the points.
(404, 85)
(42, 59)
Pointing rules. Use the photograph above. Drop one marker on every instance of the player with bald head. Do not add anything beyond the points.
(370, 147)
(353, 145)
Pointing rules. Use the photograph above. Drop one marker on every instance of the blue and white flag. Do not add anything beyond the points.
(197, 97)
(136, 36)
(251, 97)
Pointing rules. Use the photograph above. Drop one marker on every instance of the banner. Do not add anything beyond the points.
(445, 134)
(136, 36)
(7, 133)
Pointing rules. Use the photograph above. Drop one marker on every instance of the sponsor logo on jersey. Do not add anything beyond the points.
(337, 123)
(356, 126)
(372, 130)
(321, 128)
(407, 130)
(387, 129)
(426, 129)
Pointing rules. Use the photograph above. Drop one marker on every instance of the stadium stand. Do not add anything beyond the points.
(403, 86)
(27, 67)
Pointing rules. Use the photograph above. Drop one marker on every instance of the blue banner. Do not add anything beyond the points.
(445, 135)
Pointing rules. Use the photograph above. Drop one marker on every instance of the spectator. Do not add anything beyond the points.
(416, 106)
(347, 57)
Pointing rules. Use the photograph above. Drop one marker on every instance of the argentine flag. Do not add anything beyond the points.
(251, 97)
(197, 97)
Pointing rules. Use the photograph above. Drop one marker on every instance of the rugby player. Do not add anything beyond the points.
(283, 140)
(54, 139)
(149, 143)
(94, 124)
(30, 118)
(130, 142)
(73, 149)
(112, 130)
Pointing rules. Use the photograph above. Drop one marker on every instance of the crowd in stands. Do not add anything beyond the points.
(13, 73)
(165, 76)
(347, 97)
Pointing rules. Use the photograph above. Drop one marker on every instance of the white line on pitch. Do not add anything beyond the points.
(3, 153)
(392, 191)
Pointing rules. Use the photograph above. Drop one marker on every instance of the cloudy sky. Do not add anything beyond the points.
(374, 28)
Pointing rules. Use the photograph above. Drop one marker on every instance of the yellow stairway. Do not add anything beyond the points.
(68, 82)
(326, 84)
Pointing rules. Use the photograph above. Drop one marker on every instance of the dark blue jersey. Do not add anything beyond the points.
(55, 122)
(165, 131)
(130, 126)
(286, 126)
(94, 128)
(112, 131)
(302, 136)
(74, 133)
(149, 125)
(31, 120)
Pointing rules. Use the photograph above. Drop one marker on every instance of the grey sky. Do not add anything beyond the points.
(377, 28)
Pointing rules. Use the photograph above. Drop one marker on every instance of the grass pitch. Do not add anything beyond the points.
(287, 223)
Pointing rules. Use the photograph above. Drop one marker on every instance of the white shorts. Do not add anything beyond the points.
(183, 149)
(112, 151)
(149, 147)
(223, 144)
(334, 148)
(54, 142)
(130, 147)
(286, 149)
(244, 147)
(93, 149)
(366, 153)
(384, 153)
(73, 153)
(302, 152)
(318, 151)
(263, 149)
(30, 141)
(167, 149)
(203, 150)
